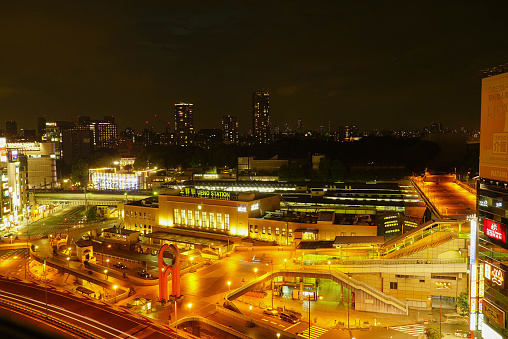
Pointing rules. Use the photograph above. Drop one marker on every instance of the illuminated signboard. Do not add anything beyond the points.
(242, 208)
(494, 135)
(494, 275)
(494, 229)
(495, 314)
(3, 150)
(254, 206)
(207, 194)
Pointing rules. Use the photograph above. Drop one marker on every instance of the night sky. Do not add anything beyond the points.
(376, 64)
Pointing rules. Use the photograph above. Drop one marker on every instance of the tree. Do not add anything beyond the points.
(91, 215)
(432, 332)
(462, 303)
(79, 172)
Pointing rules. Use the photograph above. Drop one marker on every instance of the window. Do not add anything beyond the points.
(342, 234)
(144, 215)
(353, 234)
(276, 231)
(269, 230)
(196, 216)
(283, 232)
(177, 216)
(189, 218)
(251, 228)
(226, 222)
(136, 214)
(219, 221)
(263, 230)
(184, 221)
(149, 216)
(203, 217)
(394, 285)
(212, 220)
(290, 233)
(255, 228)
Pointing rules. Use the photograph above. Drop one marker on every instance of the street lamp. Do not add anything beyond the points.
(106, 274)
(115, 287)
(107, 261)
(189, 306)
(271, 282)
(250, 308)
(329, 268)
(278, 335)
(68, 262)
(348, 298)
(285, 263)
(255, 271)
(229, 285)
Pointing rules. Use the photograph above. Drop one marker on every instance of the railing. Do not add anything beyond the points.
(364, 286)
(382, 262)
(51, 319)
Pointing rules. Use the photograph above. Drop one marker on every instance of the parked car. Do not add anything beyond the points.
(271, 311)
(120, 265)
(290, 318)
(144, 274)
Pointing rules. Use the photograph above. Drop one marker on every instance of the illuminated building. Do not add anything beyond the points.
(111, 179)
(261, 117)
(41, 162)
(230, 128)
(184, 124)
(76, 144)
(489, 248)
(104, 132)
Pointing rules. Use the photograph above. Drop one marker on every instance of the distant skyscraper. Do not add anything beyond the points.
(184, 124)
(104, 131)
(299, 126)
(435, 127)
(261, 116)
(230, 128)
(11, 127)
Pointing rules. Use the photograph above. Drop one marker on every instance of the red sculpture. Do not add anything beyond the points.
(164, 271)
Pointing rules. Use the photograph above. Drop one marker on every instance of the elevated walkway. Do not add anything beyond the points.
(367, 298)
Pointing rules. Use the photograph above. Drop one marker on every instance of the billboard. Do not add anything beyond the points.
(494, 128)
(494, 229)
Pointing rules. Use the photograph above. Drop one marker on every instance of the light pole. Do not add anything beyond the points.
(68, 262)
(176, 318)
(271, 282)
(106, 275)
(309, 312)
(329, 268)
(285, 263)
(189, 306)
(107, 261)
(46, 288)
(115, 287)
(278, 335)
(348, 297)
(250, 308)
(255, 271)
(229, 285)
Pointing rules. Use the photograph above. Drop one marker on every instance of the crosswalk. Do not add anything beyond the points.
(413, 330)
(315, 332)
(14, 254)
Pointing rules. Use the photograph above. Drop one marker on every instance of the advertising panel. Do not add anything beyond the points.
(3, 150)
(493, 275)
(496, 315)
(494, 128)
(494, 229)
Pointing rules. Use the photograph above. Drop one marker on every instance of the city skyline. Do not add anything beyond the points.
(368, 64)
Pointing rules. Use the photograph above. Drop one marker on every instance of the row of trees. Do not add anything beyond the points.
(413, 155)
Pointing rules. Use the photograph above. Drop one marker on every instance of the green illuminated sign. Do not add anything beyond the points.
(207, 194)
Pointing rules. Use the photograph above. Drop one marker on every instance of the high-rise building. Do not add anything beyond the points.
(184, 124)
(104, 131)
(230, 128)
(11, 127)
(488, 248)
(261, 116)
